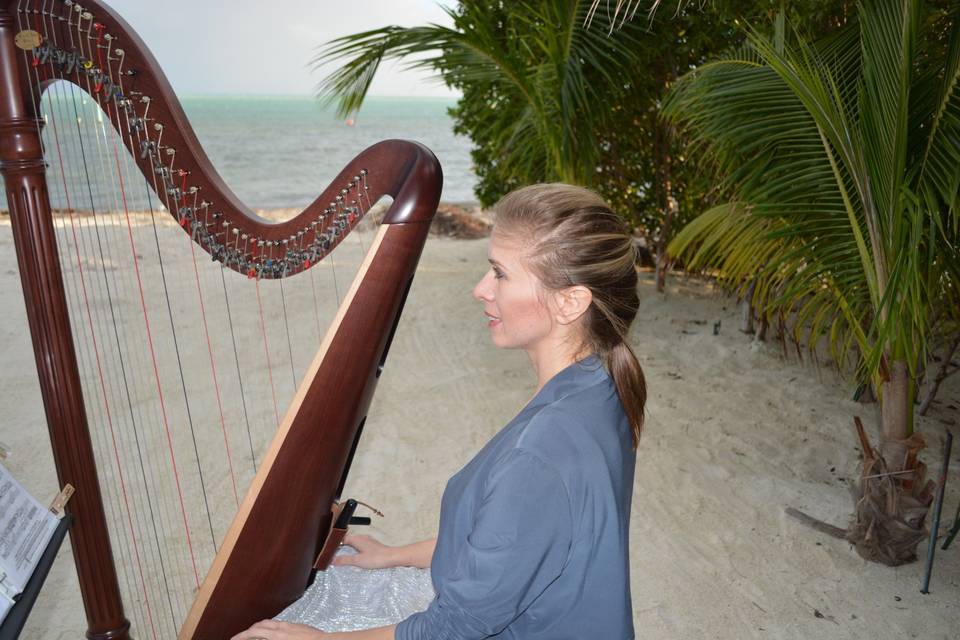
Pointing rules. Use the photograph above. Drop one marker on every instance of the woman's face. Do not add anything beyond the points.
(512, 299)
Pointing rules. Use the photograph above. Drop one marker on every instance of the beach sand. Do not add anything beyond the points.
(735, 434)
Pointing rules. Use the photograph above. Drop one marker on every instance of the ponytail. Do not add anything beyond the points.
(627, 375)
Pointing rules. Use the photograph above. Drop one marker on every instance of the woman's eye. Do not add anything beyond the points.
(497, 274)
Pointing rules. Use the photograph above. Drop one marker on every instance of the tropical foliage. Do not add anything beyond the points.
(535, 82)
(549, 95)
(842, 162)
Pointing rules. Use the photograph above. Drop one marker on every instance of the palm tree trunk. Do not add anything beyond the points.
(893, 494)
(662, 159)
(896, 408)
(746, 309)
(668, 204)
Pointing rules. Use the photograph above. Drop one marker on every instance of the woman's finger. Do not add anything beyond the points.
(352, 539)
(344, 560)
(259, 631)
(274, 630)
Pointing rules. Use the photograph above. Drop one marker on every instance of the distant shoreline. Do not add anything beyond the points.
(463, 220)
(460, 204)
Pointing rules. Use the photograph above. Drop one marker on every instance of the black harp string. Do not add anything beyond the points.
(236, 356)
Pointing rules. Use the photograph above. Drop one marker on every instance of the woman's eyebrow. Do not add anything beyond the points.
(494, 262)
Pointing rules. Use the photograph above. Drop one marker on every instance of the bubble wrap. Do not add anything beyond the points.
(351, 598)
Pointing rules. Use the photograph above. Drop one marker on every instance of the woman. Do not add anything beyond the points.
(533, 536)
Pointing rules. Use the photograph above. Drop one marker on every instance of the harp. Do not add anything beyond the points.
(54, 53)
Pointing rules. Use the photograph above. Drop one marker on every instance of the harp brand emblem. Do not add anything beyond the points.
(28, 39)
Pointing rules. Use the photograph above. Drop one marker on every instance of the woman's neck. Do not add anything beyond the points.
(550, 359)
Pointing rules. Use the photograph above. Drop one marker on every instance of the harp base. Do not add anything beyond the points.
(123, 633)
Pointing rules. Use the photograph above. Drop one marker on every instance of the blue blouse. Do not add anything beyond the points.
(533, 539)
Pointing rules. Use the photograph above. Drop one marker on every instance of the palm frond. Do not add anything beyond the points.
(843, 162)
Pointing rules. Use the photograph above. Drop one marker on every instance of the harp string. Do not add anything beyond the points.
(286, 326)
(236, 357)
(266, 351)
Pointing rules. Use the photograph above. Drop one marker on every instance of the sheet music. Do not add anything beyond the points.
(6, 603)
(26, 527)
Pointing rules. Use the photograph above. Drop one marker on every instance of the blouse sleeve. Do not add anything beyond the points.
(518, 545)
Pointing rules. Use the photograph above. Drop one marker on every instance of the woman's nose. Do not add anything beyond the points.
(484, 288)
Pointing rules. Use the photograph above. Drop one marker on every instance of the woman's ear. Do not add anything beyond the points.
(572, 303)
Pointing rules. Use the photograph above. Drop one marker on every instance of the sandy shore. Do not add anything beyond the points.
(735, 434)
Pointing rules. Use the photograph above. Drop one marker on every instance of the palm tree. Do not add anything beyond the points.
(536, 80)
(843, 161)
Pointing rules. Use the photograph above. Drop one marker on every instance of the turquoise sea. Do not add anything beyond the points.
(278, 152)
(281, 151)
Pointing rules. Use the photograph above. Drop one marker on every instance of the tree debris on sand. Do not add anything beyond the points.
(460, 221)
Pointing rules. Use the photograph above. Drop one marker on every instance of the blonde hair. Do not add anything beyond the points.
(575, 239)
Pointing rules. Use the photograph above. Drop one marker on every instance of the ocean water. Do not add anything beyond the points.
(281, 151)
(277, 152)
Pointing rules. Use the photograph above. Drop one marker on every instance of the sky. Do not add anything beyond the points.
(224, 47)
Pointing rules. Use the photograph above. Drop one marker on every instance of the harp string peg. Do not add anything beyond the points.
(147, 148)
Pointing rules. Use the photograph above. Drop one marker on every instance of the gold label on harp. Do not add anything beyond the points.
(28, 39)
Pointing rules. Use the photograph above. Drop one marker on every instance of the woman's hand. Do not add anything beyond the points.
(274, 630)
(371, 554)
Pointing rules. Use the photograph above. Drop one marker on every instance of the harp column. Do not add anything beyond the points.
(22, 166)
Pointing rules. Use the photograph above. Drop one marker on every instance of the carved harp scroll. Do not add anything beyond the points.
(263, 562)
